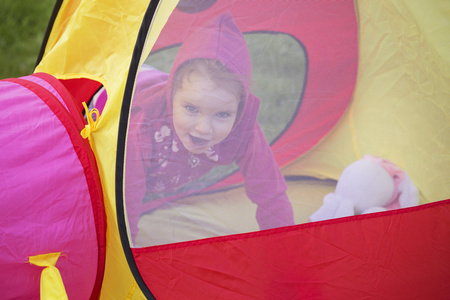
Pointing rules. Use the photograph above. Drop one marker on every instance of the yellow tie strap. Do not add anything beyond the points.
(91, 124)
(52, 286)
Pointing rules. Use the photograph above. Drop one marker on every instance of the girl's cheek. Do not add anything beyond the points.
(184, 118)
(225, 127)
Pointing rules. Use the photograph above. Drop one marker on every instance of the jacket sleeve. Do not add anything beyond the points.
(264, 183)
(138, 144)
(139, 149)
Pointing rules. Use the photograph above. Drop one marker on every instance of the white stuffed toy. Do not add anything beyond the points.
(371, 184)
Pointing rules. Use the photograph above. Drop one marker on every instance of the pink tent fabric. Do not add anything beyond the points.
(51, 199)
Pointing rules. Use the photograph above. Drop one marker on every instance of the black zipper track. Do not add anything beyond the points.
(51, 22)
(121, 140)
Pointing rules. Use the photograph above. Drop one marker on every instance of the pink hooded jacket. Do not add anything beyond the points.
(157, 161)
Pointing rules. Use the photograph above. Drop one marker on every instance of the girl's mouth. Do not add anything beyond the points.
(198, 142)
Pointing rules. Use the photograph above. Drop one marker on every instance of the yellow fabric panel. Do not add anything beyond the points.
(104, 141)
(51, 285)
(118, 282)
(62, 20)
(79, 47)
(95, 40)
(400, 109)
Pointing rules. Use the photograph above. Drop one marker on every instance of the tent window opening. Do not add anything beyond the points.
(201, 111)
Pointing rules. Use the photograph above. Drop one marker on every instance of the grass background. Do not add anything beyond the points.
(22, 28)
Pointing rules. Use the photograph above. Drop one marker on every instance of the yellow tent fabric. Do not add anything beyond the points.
(52, 286)
(95, 40)
(400, 109)
(401, 106)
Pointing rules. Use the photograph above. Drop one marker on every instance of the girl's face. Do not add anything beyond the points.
(203, 113)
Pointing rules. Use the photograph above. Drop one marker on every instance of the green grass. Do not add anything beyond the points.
(22, 29)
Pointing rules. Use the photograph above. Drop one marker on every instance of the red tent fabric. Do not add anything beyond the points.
(401, 254)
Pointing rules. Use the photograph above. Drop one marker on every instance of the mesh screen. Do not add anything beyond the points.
(210, 103)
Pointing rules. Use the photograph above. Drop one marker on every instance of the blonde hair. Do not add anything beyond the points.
(213, 70)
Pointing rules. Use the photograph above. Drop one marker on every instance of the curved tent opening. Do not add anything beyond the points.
(181, 188)
(294, 100)
(299, 88)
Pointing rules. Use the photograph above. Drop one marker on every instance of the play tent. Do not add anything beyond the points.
(336, 80)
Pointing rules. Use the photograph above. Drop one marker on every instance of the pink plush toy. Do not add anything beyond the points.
(371, 184)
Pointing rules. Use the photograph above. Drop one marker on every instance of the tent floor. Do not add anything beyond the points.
(222, 213)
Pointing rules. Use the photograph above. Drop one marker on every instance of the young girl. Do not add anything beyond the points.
(200, 116)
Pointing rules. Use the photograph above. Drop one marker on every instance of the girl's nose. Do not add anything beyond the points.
(203, 126)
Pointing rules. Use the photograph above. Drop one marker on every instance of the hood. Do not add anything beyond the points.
(218, 39)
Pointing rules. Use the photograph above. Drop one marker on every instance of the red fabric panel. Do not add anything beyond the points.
(400, 254)
(72, 106)
(82, 89)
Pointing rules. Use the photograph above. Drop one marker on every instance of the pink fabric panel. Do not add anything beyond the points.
(45, 203)
(47, 86)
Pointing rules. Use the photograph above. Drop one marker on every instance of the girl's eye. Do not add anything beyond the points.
(191, 108)
(223, 114)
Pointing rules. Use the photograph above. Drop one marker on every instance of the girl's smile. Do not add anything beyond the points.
(198, 142)
(203, 113)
